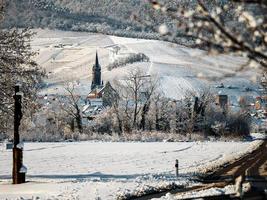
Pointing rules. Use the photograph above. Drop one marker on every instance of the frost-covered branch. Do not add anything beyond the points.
(238, 26)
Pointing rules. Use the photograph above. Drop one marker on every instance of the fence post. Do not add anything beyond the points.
(18, 171)
(177, 167)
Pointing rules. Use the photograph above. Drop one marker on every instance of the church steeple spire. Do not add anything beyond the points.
(96, 61)
(96, 74)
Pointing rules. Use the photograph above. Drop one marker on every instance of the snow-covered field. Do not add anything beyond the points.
(69, 56)
(103, 170)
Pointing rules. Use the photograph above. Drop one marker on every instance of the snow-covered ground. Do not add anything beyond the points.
(69, 56)
(228, 190)
(103, 170)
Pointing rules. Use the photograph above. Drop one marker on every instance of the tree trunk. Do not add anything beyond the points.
(79, 119)
(157, 117)
(135, 114)
(119, 121)
(144, 113)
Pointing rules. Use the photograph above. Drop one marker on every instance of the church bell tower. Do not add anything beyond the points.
(96, 74)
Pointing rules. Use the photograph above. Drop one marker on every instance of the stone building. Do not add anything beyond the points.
(100, 95)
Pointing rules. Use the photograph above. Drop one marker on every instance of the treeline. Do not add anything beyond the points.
(138, 111)
(104, 16)
(130, 59)
(124, 18)
(67, 14)
(141, 106)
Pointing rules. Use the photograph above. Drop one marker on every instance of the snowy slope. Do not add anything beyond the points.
(87, 170)
(69, 56)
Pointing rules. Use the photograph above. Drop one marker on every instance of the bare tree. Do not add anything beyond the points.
(135, 84)
(122, 107)
(149, 91)
(114, 100)
(117, 112)
(71, 105)
(135, 92)
(162, 112)
(191, 111)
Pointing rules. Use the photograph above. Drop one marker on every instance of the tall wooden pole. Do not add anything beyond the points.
(176, 168)
(17, 175)
(17, 115)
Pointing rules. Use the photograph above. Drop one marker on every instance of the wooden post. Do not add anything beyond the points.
(17, 176)
(177, 168)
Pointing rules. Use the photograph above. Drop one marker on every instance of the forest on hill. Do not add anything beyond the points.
(126, 18)
(105, 16)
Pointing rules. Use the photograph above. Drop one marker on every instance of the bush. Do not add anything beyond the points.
(238, 125)
(132, 58)
(230, 125)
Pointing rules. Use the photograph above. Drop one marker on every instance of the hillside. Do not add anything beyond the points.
(69, 56)
(104, 16)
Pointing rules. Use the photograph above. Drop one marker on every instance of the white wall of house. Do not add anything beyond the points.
(96, 102)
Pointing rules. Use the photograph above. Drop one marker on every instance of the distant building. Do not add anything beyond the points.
(258, 103)
(100, 95)
(222, 101)
(261, 103)
(247, 102)
(96, 75)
